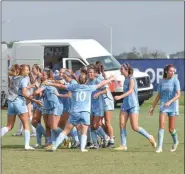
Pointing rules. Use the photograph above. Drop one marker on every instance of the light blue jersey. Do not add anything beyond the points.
(81, 97)
(97, 104)
(108, 98)
(65, 101)
(50, 99)
(130, 101)
(17, 103)
(24, 83)
(168, 89)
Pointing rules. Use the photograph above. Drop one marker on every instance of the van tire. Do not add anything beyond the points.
(141, 103)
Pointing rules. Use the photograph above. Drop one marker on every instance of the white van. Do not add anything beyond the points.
(4, 73)
(73, 54)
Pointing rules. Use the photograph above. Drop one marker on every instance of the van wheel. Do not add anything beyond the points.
(141, 102)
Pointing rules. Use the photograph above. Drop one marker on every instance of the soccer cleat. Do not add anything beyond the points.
(121, 148)
(159, 150)
(28, 148)
(93, 146)
(174, 147)
(38, 146)
(67, 143)
(17, 134)
(105, 143)
(48, 146)
(88, 145)
(33, 135)
(84, 150)
(152, 141)
(110, 145)
(75, 145)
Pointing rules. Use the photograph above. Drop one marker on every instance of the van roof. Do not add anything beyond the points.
(85, 47)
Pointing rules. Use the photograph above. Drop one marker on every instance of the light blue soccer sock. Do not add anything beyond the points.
(26, 138)
(144, 132)
(4, 130)
(101, 132)
(74, 134)
(83, 142)
(39, 138)
(48, 140)
(94, 137)
(53, 136)
(79, 135)
(89, 135)
(39, 132)
(58, 130)
(59, 139)
(174, 136)
(40, 128)
(123, 135)
(160, 138)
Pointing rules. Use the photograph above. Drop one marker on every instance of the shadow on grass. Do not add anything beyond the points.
(12, 146)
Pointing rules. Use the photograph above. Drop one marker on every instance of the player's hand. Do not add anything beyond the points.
(96, 95)
(151, 111)
(117, 97)
(167, 104)
(36, 84)
(38, 102)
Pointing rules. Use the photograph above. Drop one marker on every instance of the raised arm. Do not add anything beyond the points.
(104, 82)
(60, 86)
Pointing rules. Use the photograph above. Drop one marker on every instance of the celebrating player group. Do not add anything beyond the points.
(78, 107)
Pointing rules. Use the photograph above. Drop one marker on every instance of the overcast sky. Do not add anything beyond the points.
(157, 25)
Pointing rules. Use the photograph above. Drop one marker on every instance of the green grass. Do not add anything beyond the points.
(139, 159)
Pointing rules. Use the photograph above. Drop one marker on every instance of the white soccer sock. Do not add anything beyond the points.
(26, 138)
(4, 130)
(83, 142)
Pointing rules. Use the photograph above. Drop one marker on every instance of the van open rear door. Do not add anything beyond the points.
(28, 54)
(73, 63)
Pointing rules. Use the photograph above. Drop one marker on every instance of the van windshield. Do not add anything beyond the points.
(109, 62)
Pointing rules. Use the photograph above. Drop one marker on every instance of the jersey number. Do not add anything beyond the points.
(80, 96)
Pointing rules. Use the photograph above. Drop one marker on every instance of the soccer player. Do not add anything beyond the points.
(37, 110)
(108, 105)
(168, 94)
(17, 102)
(97, 108)
(130, 108)
(52, 109)
(80, 109)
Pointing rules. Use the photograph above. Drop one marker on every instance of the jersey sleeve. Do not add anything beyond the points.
(24, 83)
(177, 85)
(70, 87)
(92, 87)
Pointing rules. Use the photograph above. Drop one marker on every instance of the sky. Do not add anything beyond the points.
(156, 25)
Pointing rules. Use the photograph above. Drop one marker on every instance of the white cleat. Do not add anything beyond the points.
(28, 148)
(84, 150)
(159, 150)
(174, 147)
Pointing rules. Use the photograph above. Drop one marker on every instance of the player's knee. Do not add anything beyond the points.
(171, 130)
(135, 128)
(34, 122)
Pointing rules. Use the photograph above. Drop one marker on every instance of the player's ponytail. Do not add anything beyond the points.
(128, 68)
(82, 78)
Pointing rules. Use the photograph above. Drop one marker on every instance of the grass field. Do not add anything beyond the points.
(139, 159)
